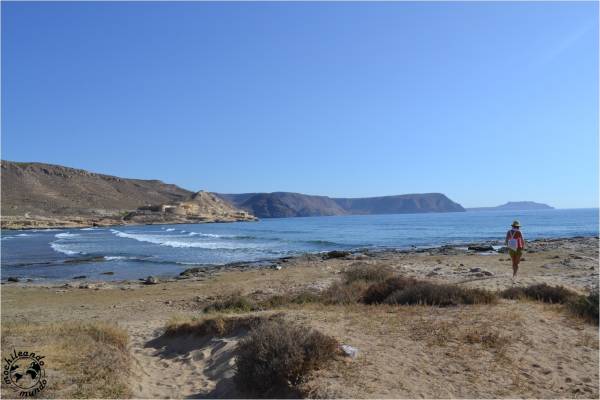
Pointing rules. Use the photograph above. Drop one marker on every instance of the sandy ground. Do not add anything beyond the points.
(535, 350)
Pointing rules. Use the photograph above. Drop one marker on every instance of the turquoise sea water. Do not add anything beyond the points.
(132, 252)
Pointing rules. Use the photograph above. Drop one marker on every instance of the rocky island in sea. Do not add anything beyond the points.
(515, 206)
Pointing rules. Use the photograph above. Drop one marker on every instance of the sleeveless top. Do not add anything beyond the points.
(516, 234)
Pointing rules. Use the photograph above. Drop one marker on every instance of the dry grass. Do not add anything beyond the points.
(378, 292)
(344, 293)
(234, 303)
(585, 306)
(488, 337)
(540, 292)
(402, 290)
(82, 360)
(432, 332)
(277, 356)
(367, 273)
(219, 325)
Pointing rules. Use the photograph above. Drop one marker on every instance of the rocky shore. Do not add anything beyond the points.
(62, 222)
(572, 262)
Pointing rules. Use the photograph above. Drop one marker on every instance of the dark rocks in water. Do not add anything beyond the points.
(108, 273)
(336, 254)
(502, 249)
(151, 280)
(12, 279)
(482, 247)
(79, 277)
(80, 260)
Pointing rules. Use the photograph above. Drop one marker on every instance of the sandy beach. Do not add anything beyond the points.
(539, 349)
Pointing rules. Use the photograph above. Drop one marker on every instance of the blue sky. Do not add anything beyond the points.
(485, 102)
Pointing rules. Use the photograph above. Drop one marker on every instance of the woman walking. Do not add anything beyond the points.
(515, 243)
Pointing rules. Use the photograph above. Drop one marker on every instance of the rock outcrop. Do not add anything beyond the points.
(36, 195)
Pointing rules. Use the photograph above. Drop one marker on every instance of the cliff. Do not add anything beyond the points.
(283, 204)
(45, 195)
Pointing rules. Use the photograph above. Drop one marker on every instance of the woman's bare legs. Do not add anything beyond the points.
(515, 263)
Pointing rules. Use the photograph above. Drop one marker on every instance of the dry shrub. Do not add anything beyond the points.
(367, 272)
(342, 293)
(441, 295)
(378, 292)
(585, 306)
(403, 290)
(233, 303)
(217, 326)
(486, 338)
(515, 293)
(304, 297)
(277, 356)
(541, 292)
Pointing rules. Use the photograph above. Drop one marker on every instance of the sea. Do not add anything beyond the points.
(134, 252)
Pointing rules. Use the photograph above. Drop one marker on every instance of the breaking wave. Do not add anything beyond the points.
(179, 242)
(65, 235)
(62, 248)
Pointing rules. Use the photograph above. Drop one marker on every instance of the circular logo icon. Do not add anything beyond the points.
(24, 371)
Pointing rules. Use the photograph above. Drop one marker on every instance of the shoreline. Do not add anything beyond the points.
(76, 223)
(417, 344)
(205, 271)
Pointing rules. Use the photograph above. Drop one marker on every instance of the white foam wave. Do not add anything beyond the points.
(89, 229)
(212, 235)
(62, 248)
(65, 235)
(170, 229)
(20, 235)
(171, 241)
(116, 258)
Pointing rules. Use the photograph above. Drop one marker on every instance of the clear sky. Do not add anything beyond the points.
(485, 102)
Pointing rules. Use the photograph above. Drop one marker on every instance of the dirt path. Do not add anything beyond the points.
(179, 367)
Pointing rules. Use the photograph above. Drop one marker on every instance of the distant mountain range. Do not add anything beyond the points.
(515, 206)
(285, 204)
(45, 195)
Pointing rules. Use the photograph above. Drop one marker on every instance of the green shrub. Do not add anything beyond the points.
(276, 356)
